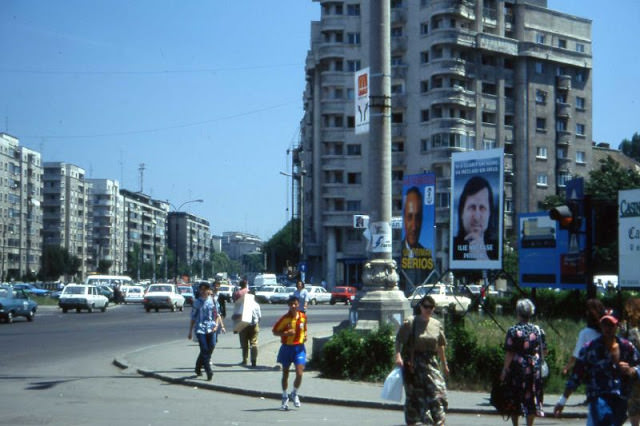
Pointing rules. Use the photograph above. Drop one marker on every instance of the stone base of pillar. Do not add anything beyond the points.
(382, 302)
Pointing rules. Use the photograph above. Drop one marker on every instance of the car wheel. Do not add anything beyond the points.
(181, 308)
(31, 315)
(173, 307)
(314, 302)
(104, 308)
(148, 309)
(157, 309)
(90, 308)
(78, 310)
(64, 310)
(333, 302)
(9, 318)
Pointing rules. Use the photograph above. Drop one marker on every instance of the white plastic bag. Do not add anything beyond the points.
(393, 388)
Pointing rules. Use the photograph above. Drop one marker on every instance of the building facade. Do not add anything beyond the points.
(66, 221)
(238, 244)
(465, 75)
(108, 226)
(190, 240)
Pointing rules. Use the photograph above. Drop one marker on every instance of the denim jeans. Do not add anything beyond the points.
(206, 343)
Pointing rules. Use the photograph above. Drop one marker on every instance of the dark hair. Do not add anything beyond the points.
(595, 311)
(291, 300)
(473, 186)
(243, 284)
(414, 190)
(205, 285)
(427, 298)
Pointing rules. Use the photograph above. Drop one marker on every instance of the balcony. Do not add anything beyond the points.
(447, 66)
(563, 82)
(399, 71)
(399, 100)
(332, 22)
(398, 159)
(398, 44)
(563, 110)
(334, 106)
(452, 36)
(331, 50)
(333, 162)
(398, 15)
(397, 130)
(333, 78)
(455, 96)
(332, 133)
(563, 138)
(497, 44)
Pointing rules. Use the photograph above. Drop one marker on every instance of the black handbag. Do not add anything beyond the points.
(502, 399)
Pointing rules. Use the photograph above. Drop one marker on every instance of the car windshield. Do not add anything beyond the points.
(158, 288)
(4, 292)
(74, 290)
(184, 290)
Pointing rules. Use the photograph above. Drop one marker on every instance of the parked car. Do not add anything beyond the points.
(32, 289)
(15, 302)
(265, 279)
(283, 296)
(226, 291)
(82, 296)
(263, 295)
(163, 296)
(318, 294)
(444, 296)
(186, 292)
(106, 292)
(133, 293)
(344, 294)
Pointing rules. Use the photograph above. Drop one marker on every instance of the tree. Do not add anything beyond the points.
(282, 249)
(56, 261)
(631, 148)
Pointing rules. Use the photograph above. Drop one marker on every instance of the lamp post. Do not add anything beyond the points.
(298, 175)
(175, 240)
(153, 235)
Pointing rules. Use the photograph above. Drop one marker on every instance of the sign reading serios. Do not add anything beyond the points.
(629, 237)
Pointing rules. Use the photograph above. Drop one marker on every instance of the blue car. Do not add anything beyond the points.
(14, 303)
(32, 289)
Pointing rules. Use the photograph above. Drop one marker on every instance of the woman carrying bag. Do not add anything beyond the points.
(420, 342)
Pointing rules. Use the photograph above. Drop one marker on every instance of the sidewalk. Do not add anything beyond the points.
(174, 362)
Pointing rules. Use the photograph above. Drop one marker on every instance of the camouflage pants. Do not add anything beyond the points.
(425, 389)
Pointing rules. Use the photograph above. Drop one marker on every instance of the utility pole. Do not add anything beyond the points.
(382, 302)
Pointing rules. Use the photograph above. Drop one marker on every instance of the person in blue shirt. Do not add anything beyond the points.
(608, 365)
(204, 318)
(302, 295)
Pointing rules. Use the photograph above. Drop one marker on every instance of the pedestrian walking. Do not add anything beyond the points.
(244, 289)
(420, 342)
(595, 311)
(204, 319)
(292, 329)
(631, 331)
(607, 365)
(249, 336)
(302, 295)
(525, 346)
(221, 308)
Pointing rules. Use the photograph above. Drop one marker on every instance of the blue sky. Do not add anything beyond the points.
(208, 94)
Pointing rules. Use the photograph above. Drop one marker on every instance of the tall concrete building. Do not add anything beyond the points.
(20, 209)
(66, 211)
(190, 240)
(109, 226)
(466, 75)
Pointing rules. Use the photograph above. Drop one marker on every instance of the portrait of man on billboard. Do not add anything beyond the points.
(476, 213)
(418, 216)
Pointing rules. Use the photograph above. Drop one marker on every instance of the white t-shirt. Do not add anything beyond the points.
(587, 334)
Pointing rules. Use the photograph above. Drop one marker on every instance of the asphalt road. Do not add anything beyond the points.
(58, 370)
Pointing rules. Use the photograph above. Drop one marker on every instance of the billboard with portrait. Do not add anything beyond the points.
(629, 238)
(476, 209)
(418, 221)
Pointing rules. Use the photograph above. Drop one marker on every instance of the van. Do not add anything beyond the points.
(265, 279)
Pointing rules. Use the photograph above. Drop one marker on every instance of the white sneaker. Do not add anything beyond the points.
(296, 399)
(285, 403)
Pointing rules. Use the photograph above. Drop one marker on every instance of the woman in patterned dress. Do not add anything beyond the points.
(524, 346)
(420, 342)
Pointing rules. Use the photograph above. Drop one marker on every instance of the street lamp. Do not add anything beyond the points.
(298, 175)
(175, 240)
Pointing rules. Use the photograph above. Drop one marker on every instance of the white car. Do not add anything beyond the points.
(264, 293)
(226, 290)
(283, 296)
(133, 293)
(82, 296)
(164, 296)
(318, 294)
(444, 296)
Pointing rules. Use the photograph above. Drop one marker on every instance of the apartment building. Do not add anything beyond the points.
(465, 75)
(66, 212)
(20, 209)
(190, 240)
(108, 227)
(238, 244)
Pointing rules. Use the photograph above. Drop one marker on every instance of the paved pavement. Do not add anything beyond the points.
(174, 362)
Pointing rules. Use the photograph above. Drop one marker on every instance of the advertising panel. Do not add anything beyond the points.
(629, 238)
(362, 101)
(418, 228)
(476, 209)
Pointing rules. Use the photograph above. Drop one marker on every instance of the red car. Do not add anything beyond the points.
(343, 294)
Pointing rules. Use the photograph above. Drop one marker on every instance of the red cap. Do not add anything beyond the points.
(608, 315)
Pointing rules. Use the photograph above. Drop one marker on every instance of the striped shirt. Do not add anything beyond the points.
(298, 323)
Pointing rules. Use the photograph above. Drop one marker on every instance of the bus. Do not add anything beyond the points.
(109, 280)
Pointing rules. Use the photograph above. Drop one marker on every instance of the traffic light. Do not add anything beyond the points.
(568, 216)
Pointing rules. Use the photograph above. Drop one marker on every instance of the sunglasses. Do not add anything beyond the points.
(427, 306)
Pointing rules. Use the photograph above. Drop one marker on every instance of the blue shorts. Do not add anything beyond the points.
(296, 354)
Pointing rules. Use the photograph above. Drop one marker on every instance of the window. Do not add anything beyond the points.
(508, 63)
(561, 125)
(396, 60)
(397, 146)
(424, 86)
(541, 96)
(424, 145)
(561, 71)
(541, 123)
(541, 152)
(580, 129)
(353, 205)
(396, 32)
(396, 3)
(562, 153)
(563, 178)
(580, 157)
(508, 206)
(489, 88)
(442, 199)
(353, 66)
(488, 60)
(580, 102)
(354, 178)
(508, 120)
(540, 38)
(562, 43)
(351, 94)
(438, 52)
(539, 67)
(488, 117)
(353, 38)
(580, 47)
(488, 143)
(541, 180)
(397, 175)
(424, 57)
(353, 9)
(397, 89)
(354, 149)
(351, 121)
(580, 77)
(424, 28)
(397, 118)
(424, 115)
(562, 98)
